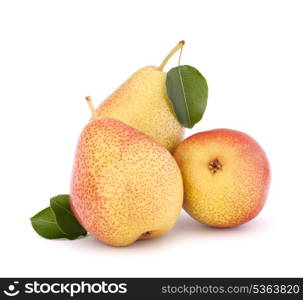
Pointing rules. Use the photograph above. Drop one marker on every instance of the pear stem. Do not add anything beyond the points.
(170, 54)
(91, 107)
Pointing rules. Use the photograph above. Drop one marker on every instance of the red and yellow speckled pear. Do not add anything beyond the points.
(125, 186)
(226, 177)
(142, 103)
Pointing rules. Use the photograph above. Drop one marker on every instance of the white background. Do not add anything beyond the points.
(53, 53)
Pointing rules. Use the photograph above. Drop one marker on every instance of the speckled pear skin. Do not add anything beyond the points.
(125, 186)
(142, 103)
(235, 192)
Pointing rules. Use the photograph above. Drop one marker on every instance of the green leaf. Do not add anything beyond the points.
(45, 224)
(187, 90)
(65, 217)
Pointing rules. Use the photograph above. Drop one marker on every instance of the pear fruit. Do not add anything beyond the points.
(142, 103)
(125, 186)
(226, 177)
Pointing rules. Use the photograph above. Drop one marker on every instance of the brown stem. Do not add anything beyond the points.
(91, 107)
(170, 54)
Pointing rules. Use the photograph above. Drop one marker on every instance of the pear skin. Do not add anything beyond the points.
(226, 177)
(125, 186)
(142, 103)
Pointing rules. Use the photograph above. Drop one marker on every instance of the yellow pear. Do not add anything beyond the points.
(125, 186)
(226, 177)
(142, 103)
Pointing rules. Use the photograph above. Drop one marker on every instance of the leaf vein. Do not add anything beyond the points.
(183, 91)
(42, 220)
(61, 206)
